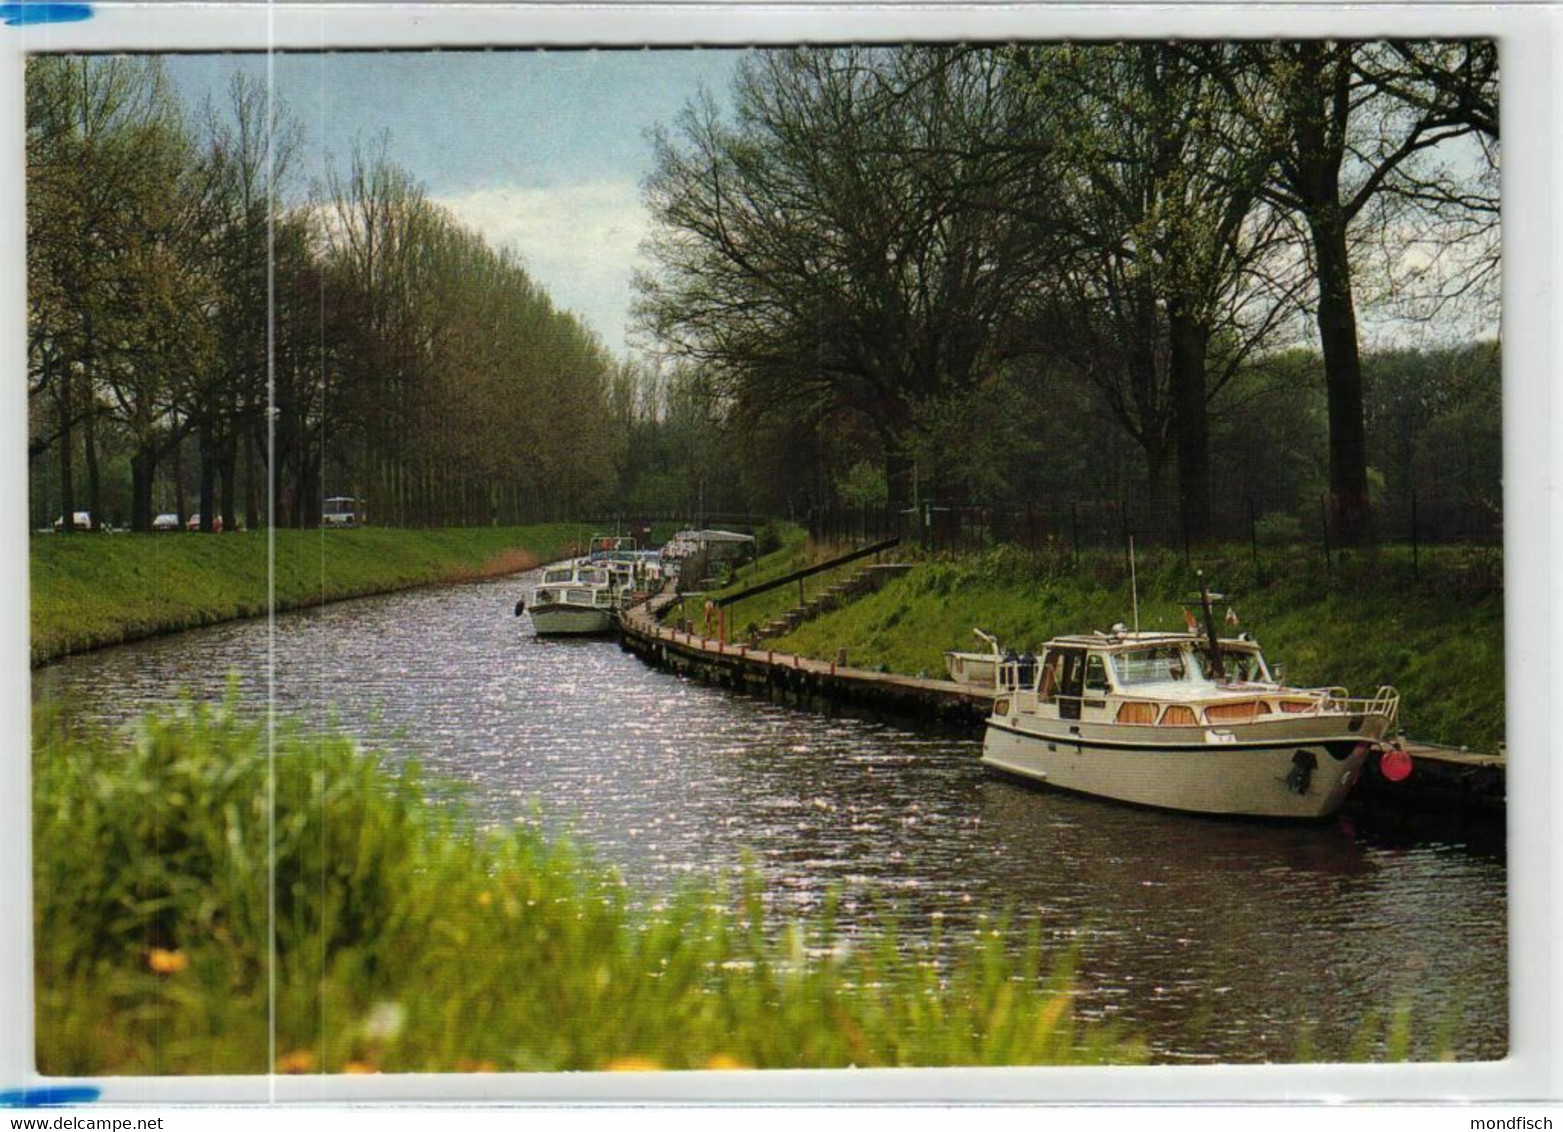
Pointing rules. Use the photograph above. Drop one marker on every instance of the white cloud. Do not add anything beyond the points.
(578, 241)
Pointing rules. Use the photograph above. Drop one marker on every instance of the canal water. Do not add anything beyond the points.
(1214, 940)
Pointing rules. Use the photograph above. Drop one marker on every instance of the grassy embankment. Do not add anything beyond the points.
(404, 941)
(93, 590)
(1437, 636)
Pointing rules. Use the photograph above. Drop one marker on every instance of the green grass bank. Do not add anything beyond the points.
(93, 590)
(1433, 629)
(407, 941)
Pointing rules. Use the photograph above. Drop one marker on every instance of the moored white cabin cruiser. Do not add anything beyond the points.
(624, 564)
(575, 599)
(1166, 720)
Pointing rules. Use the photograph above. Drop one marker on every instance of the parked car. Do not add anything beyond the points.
(167, 521)
(81, 519)
(194, 524)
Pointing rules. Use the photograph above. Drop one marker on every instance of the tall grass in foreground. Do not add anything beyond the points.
(404, 941)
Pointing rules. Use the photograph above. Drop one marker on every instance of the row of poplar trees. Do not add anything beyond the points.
(185, 302)
(911, 248)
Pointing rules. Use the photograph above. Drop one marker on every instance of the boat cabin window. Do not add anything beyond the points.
(1157, 664)
(1052, 675)
(1095, 674)
(556, 577)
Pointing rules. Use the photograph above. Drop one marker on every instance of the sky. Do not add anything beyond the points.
(544, 152)
(541, 152)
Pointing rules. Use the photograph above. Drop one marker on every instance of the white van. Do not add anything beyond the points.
(341, 511)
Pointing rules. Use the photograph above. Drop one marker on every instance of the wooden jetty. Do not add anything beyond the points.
(1444, 779)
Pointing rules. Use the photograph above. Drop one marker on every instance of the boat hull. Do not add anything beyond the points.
(570, 620)
(1301, 777)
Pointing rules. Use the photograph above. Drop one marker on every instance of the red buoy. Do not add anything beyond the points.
(1395, 765)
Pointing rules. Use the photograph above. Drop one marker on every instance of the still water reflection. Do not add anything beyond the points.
(1217, 941)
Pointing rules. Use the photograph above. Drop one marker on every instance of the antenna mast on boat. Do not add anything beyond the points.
(1134, 587)
(1214, 642)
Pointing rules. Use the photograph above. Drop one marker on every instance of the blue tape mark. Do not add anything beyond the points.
(16, 15)
(49, 1097)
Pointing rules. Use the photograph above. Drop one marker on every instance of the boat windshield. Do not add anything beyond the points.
(592, 578)
(557, 577)
(1243, 666)
(1157, 664)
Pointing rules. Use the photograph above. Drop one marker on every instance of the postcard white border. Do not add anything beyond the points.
(1528, 37)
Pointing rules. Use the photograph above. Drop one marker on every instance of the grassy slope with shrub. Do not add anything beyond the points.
(1437, 637)
(405, 941)
(792, 551)
(93, 590)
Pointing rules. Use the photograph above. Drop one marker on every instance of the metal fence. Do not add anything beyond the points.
(1078, 525)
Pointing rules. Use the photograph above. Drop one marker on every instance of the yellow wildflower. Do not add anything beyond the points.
(484, 900)
(166, 962)
(359, 1067)
(299, 1061)
(632, 1065)
(726, 1061)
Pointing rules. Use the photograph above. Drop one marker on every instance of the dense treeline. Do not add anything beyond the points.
(978, 274)
(878, 278)
(193, 321)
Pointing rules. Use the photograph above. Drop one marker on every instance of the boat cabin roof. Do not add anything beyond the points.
(1119, 642)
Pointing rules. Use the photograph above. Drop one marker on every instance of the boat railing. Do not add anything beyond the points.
(1016, 674)
(1385, 702)
(1288, 704)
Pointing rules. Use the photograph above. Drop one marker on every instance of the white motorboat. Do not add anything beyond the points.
(574, 599)
(1184, 721)
(624, 564)
(976, 668)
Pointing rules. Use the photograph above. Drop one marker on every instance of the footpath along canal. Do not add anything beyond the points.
(1216, 941)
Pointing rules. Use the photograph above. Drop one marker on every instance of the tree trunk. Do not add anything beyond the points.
(899, 474)
(252, 477)
(143, 463)
(228, 472)
(1155, 487)
(180, 502)
(1187, 345)
(208, 495)
(67, 482)
(94, 479)
(1349, 510)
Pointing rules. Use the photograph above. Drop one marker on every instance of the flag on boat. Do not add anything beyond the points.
(1188, 619)
(1231, 617)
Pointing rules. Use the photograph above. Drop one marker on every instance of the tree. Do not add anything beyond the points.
(1175, 279)
(1340, 142)
(249, 145)
(117, 289)
(826, 253)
